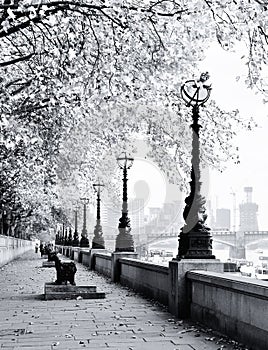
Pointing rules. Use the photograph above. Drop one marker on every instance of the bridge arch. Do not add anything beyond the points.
(260, 240)
(223, 242)
(165, 236)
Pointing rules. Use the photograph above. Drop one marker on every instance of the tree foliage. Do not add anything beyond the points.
(80, 78)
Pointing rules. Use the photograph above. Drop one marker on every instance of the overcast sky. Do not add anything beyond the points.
(253, 170)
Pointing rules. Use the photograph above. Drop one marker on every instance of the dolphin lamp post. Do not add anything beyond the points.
(84, 242)
(195, 240)
(98, 241)
(124, 240)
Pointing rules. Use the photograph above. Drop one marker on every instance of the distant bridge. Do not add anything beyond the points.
(245, 238)
(237, 241)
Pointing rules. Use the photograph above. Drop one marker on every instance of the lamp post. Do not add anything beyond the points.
(75, 242)
(62, 234)
(195, 240)
(98, 241)
(124, 240)
(84, 242)
(70, 237)
(57, 238)
(66, 237)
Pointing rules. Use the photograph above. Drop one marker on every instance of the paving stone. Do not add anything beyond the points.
(146, 346)
(124, 320)
(35, 347)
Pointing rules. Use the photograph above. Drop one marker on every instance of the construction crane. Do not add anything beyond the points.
(234, 209)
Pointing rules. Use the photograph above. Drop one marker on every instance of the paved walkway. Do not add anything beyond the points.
(123, 320)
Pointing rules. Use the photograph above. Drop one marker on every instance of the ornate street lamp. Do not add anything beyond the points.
(84, 242)
(98, 241)
(70, 237)
(66, 237)
(195, 240)
(75, 242)
(124, 240)
(62, 234)
(57, 238)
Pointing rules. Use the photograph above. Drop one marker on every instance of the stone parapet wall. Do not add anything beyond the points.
(85, 258)
(11, 248)
(146, 278)
(103, 263)
(236, 306)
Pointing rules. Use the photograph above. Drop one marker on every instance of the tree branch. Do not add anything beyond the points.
(27, 23)
(16, 60)
(263, 33)
(156, 32)
(73, 6)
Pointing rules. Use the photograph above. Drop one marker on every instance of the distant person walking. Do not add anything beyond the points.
(36, 247)
(42, 249)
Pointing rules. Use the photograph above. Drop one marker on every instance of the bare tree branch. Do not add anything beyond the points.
(156, 32)
(16, 60)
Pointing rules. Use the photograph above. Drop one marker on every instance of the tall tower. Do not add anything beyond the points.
(110, 214)
(223, 219)
(136, 212)
(248, 212)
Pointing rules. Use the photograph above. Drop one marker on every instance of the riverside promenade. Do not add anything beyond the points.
(123, 320)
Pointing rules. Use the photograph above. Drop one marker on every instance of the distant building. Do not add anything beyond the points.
(210, 222)
(110, 215)
(223, 219)
(154, 213)
(136, 215)
(248, 212)
(167, 219)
